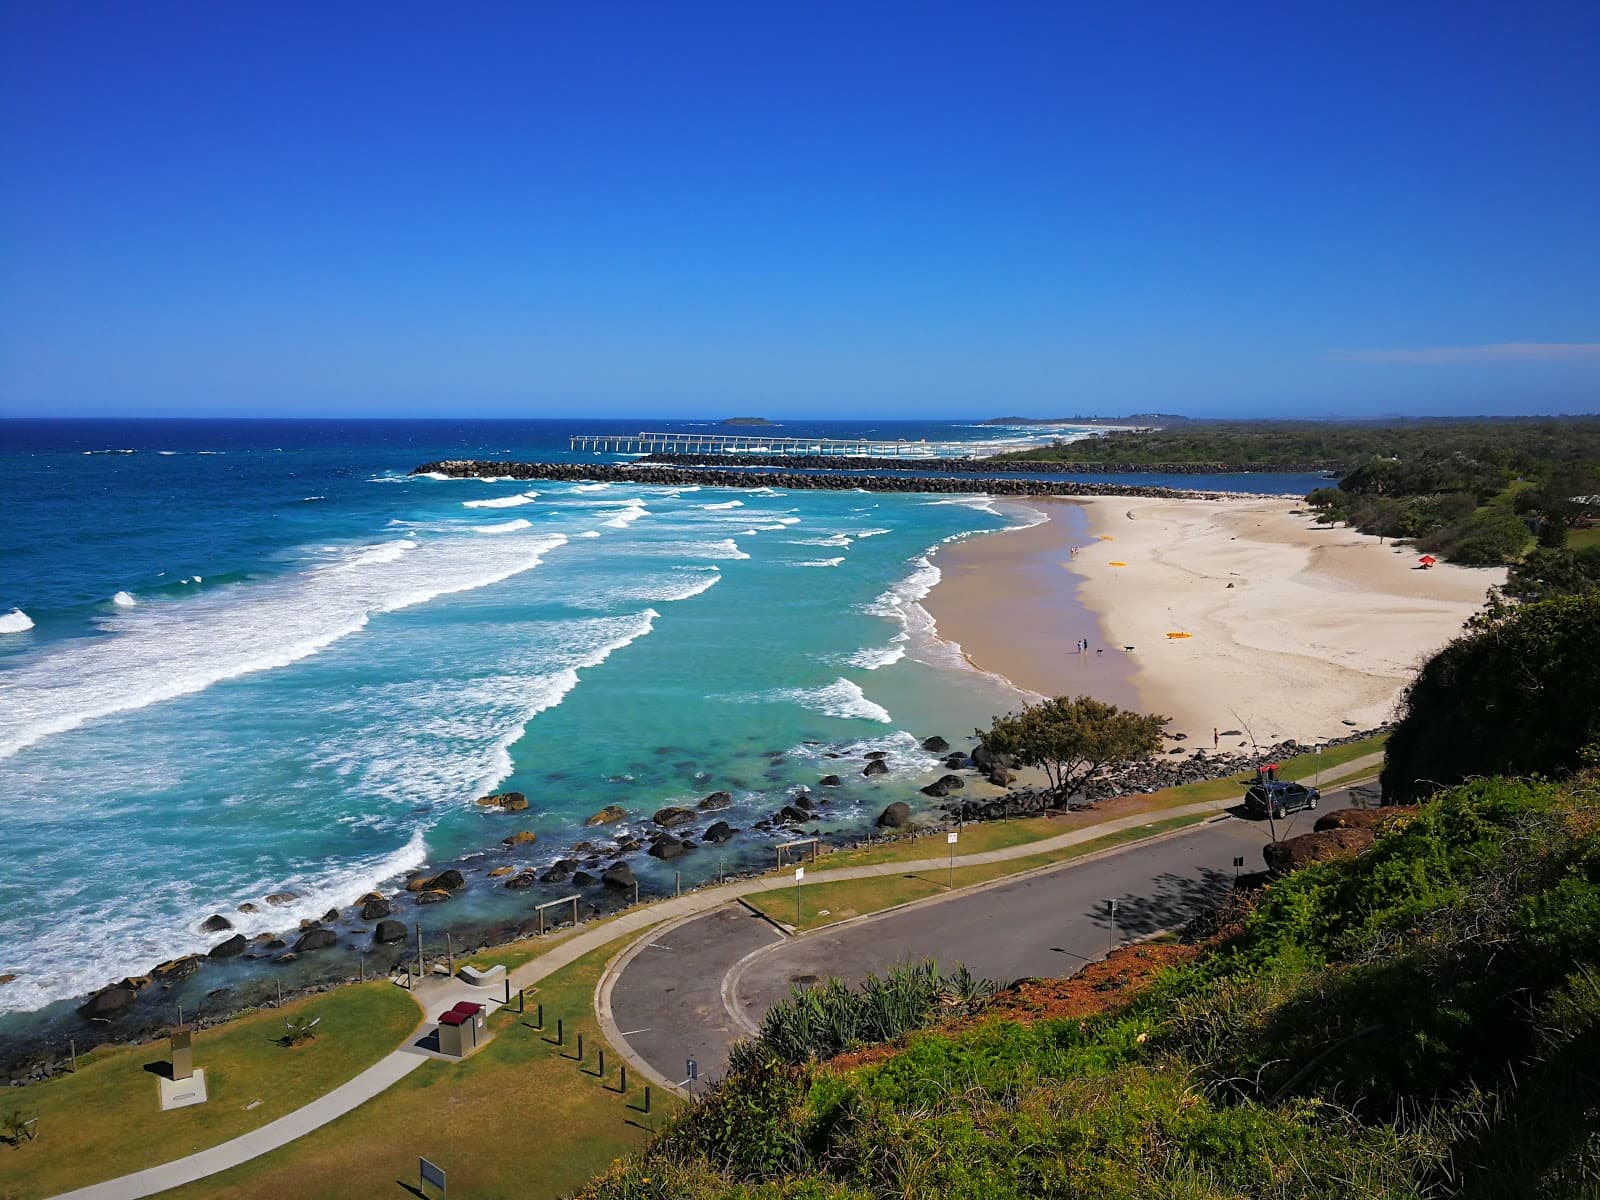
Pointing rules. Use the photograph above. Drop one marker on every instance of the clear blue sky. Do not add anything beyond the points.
(829, 209)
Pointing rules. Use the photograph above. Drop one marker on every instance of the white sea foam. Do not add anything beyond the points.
(766, 491)
(870, 658)
(724, 504)
(588, 533)
(895, 602)
(591, 487)
(161, 652)
(123, 600)
(16, 621)
(504, 526)
(866, 533)
(821, 562)
(841, 698)
(626, 517)
(166, 453)
(837, 539)
(980, 502)
(502, 501)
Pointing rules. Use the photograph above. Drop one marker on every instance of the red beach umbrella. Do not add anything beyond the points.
(1427, 560)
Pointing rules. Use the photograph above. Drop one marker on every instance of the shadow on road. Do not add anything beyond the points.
(1176, 899)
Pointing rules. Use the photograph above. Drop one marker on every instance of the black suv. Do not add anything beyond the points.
(1284, 798)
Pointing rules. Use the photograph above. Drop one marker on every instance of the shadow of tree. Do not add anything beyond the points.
(1175, 900)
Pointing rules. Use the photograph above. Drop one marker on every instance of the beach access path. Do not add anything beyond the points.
(437, 995)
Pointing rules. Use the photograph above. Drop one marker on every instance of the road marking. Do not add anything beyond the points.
(631, 1032)
(659, 946)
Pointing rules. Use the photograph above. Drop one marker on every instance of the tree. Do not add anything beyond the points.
(1517, 695)
(1072, 738)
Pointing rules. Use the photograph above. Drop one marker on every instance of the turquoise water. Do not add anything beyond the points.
(262, 658)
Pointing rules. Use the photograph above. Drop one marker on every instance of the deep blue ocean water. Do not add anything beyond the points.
(257, 656)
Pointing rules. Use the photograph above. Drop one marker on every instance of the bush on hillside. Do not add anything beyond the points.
(1518, 696)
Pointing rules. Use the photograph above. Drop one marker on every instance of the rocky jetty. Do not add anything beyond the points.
(832, 481)
(990, 466)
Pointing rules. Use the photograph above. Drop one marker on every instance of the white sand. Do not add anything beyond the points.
(1321, 626)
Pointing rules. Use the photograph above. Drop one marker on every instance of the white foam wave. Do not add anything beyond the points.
(159, 653)
(870, 658)
(821, 562)
(980, 502)
(837, 539)
(841, 698)
(724, 504)
(123, 600)
(588, 533)
(895, 602)
(16, 621)
(866, 533)
(626, 517)
(502, 501)
(591, 487)
(504, 526)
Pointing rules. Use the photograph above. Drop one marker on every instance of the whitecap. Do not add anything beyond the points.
(591, 487)
(871, 658)
(841, 698)
(502, 501)
(123, 600)
(724, 504)
(16, 621)
(820, 562)
(504, 526)
(626, 517)
(388, 552)
(588, 533)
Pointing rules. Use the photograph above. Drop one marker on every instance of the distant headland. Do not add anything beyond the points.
(746, 421)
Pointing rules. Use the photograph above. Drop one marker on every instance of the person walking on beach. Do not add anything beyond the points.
(1216, 738)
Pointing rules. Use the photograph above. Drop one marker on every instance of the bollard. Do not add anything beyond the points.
(622, 1079)
(540, 1018)
(561, 1035)
(647, 1097)
(580, 1047)
(602, 1064)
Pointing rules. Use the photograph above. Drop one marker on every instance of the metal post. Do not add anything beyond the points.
(72, 1049)
(450, 955)
(622, 1078)
(580, 1047)
(561, 1034)
(677, 883)
(541, 1016)
(1111, 910)
(419, 953)
(602, 1064)
(636, 891)
(719, 872)
(951, 838)
(647, 1097)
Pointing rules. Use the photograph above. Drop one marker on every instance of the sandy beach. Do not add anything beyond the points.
(1295, 630)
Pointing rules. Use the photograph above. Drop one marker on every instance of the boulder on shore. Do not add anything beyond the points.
(231, 948)
(176, 969)
(279, 899)
(504, 801)
(895, 816)
(716, 801)
(665, 847)
(389, 932)
(517, 882)
(447, 881)
(672, 816)
(830, 781)
(935, 744)
(608, 815)
(582, 879)
(432, 896)
(216, 923)
(247, 907)
(374, 907)
(718, 833)
(876, 767)
(108, 1001)
(619, 876)
(986, 759)
(523, 837)
(791, 813)
(938, 789)
(316, 939)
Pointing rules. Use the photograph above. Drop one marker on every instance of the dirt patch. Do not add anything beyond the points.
(1099, 987)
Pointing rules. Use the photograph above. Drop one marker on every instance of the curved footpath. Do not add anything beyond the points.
(663, 917)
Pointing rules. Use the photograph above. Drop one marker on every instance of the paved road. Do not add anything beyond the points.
(712, 978)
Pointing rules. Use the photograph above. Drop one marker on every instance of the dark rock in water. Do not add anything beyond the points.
(582, 879)
(309, 923)
(875, 755)
(986, 759)
(108, 1001)
(316, 939)
(937, 789)
(830, 781)
(831, 754)
(445, 881)
(389, 932)
(666, 847)
(608, 815)
(715, 801)
(953, 782)
(628, 845)
(720, 832)
(517, 882)
(670, 817)
(523, 837)
(177, 969)
(935, 744)
(331, 915)
(957, 761)
(797, 815)
(286, 958)
(432, 896)
(216, 923)
(804, 800)
(504, 801)
(895, 816)
(274, 943)
(619, 876)
(279, 899)
(231, 948)
(556, 874)
(247, 907)
(876, 767)
(375, 907)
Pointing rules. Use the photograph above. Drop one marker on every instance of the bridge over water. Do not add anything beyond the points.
(755, 443)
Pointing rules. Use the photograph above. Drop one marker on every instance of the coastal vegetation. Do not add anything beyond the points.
(1072, 738)
(1421, 1018)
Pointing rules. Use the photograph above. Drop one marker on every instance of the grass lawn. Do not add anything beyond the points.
(104, 1120)
(1577, 539)
(515, 1120)
(829, 903)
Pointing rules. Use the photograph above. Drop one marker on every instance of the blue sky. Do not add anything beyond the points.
(826, 209)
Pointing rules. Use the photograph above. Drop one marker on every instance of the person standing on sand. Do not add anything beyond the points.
(1216, 738)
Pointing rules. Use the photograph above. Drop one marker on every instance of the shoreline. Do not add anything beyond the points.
(1295, 630)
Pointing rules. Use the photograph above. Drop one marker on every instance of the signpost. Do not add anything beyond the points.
(432, 1176)
(951, 838)
(1111, 911)
(799, 874)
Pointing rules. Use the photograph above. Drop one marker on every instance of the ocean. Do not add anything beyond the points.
(244, 658)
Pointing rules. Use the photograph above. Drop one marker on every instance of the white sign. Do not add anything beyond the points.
(951, 837)
(799, 874)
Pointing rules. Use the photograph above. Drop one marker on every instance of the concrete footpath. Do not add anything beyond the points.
(439, 994)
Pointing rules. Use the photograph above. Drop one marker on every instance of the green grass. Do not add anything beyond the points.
(828, 903)
(105, 1120)
(1578, 539)
(516, 1121)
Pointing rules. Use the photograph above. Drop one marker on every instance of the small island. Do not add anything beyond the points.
(746, 421)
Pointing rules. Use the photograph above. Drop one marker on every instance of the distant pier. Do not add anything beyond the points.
(759, 444)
